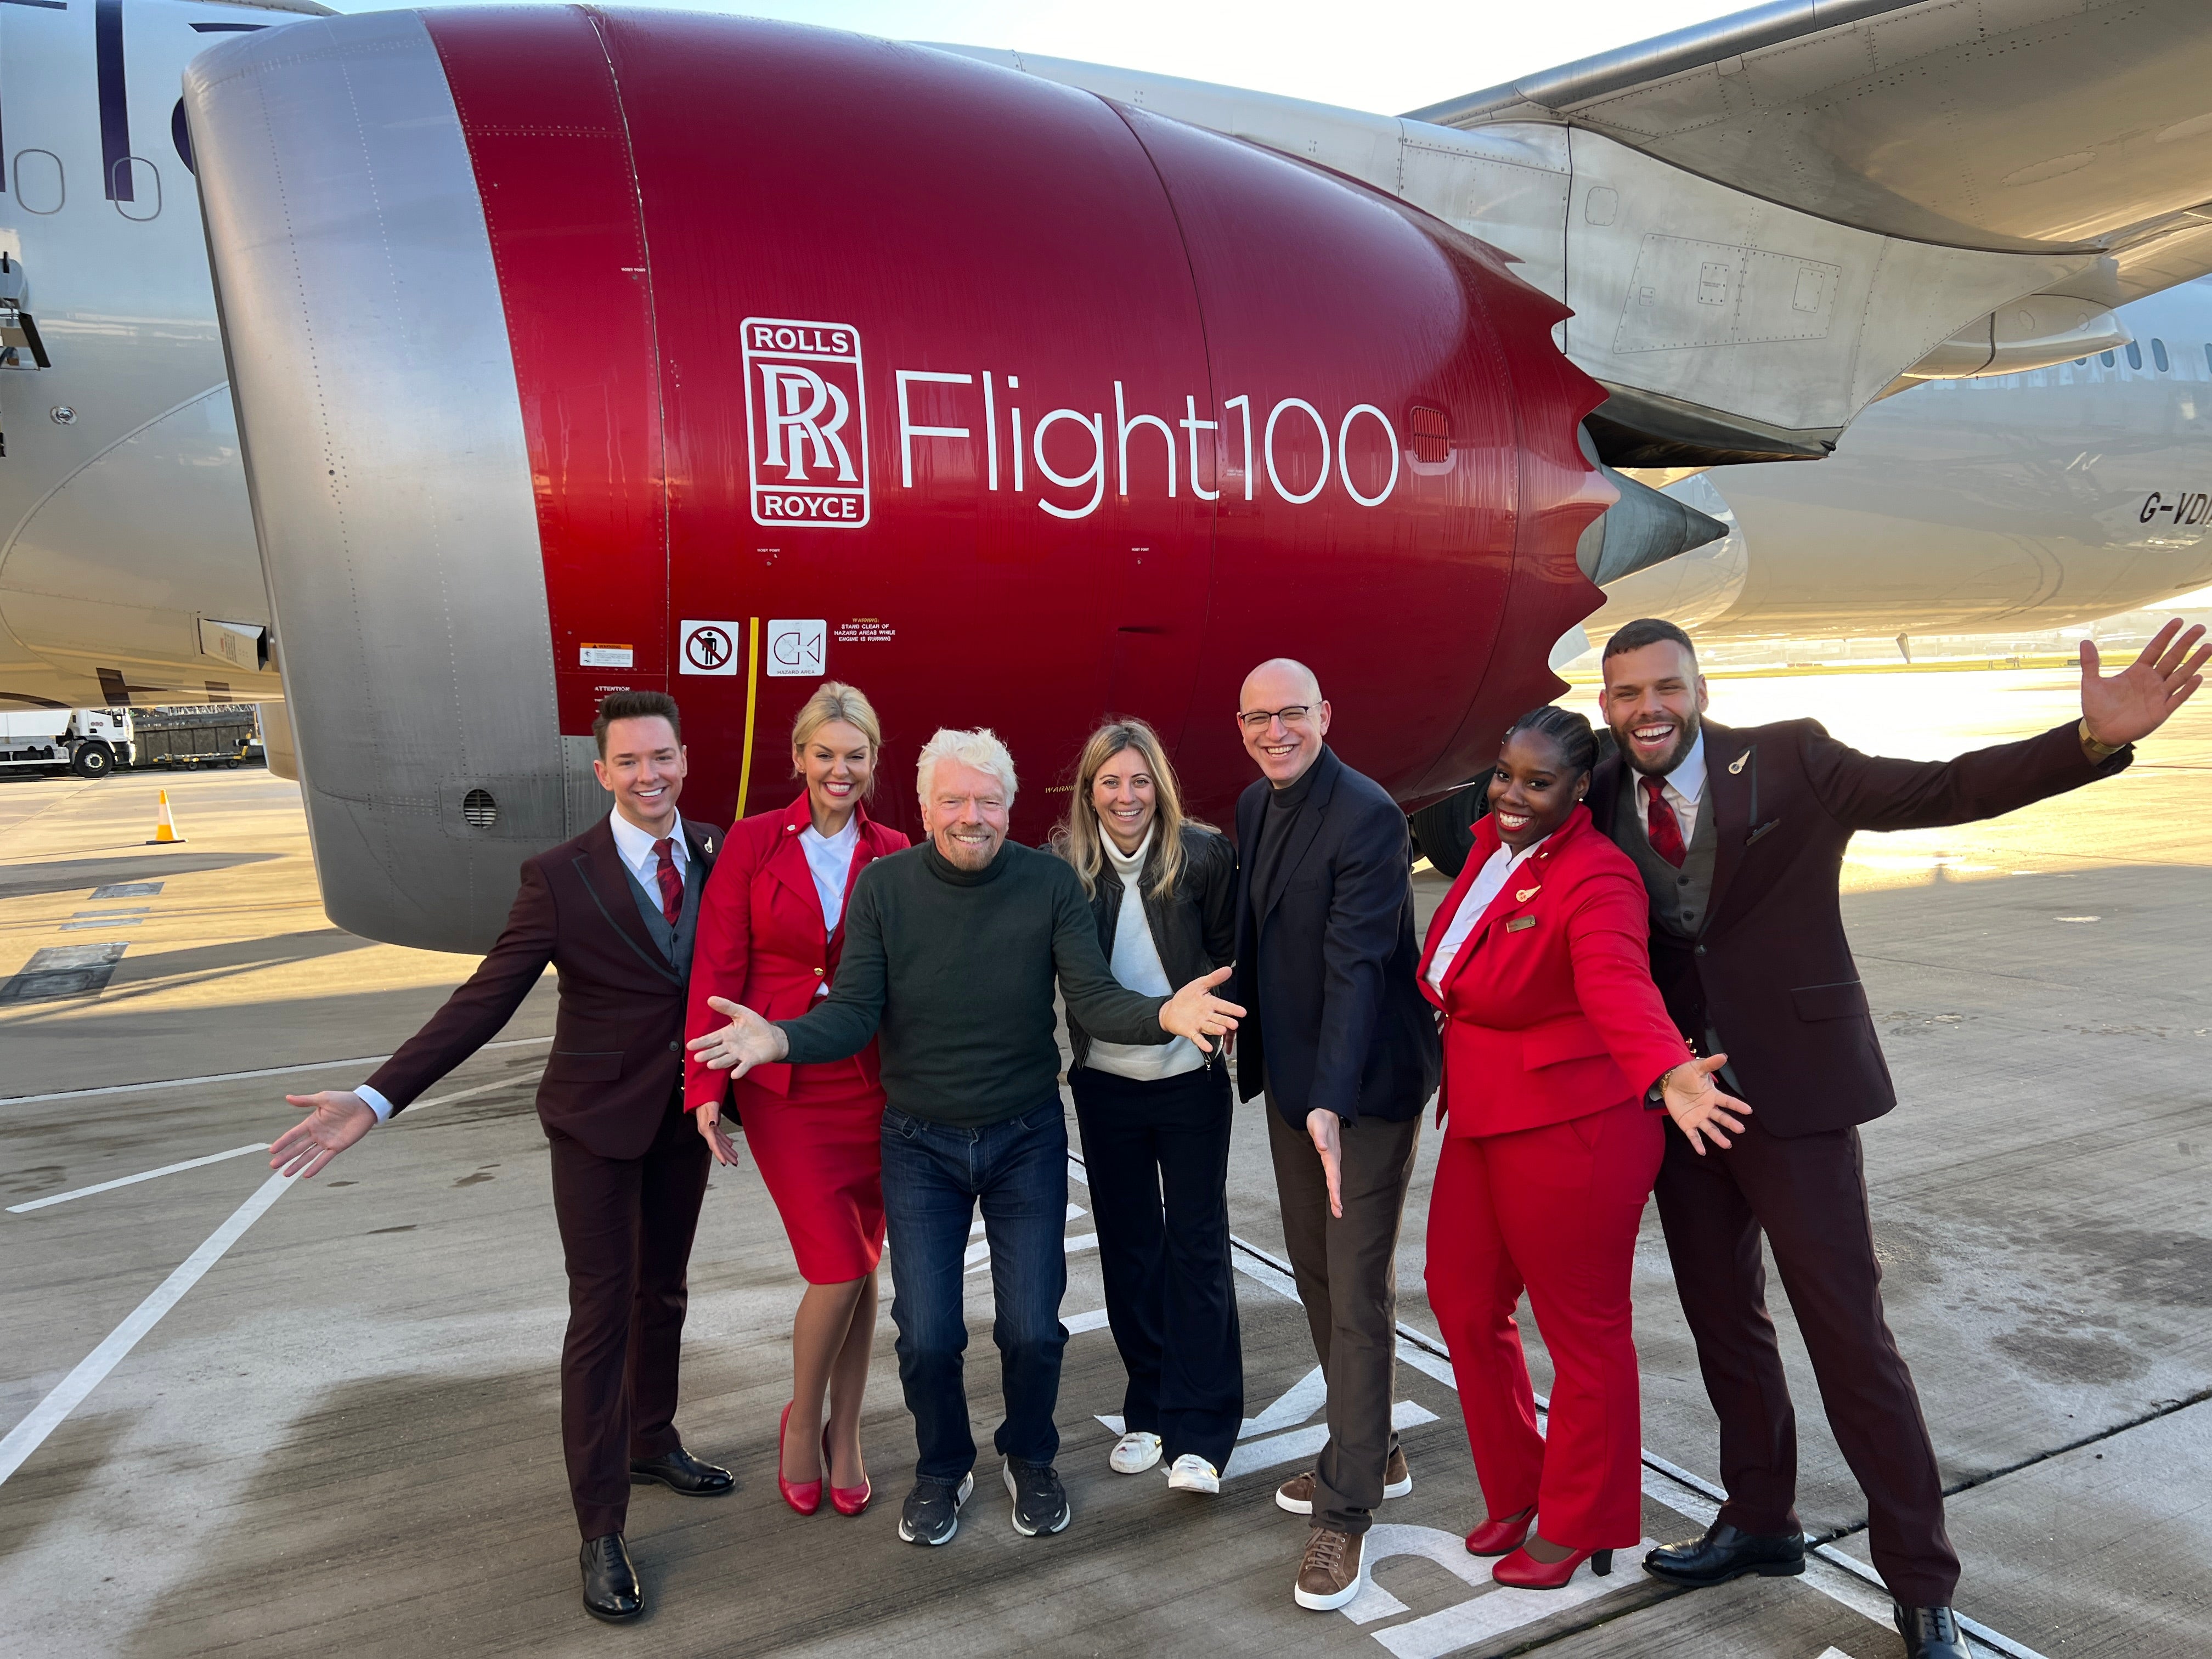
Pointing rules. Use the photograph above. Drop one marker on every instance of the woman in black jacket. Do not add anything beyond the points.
(1155, 1117)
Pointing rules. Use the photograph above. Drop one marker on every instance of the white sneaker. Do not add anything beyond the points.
(1192, 1473)
(1133, 1454)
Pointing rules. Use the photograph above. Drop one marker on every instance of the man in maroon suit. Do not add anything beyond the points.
(1740, 836)
(614, 911)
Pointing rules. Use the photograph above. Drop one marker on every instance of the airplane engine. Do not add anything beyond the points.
(576, 350)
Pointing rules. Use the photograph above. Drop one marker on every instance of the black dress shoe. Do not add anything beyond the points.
(683, 1471)
(611, 1590)
(1726, 1553)
(1930, 1632)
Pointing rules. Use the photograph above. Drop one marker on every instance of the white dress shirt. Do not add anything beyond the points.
(1489, 882)
(634, 847)
(1682, 789)
(829, 861)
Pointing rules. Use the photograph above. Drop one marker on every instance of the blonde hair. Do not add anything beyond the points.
(1075, 838)
(834, 701)
(979, 749)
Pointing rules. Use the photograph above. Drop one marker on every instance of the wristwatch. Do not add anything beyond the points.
(2097, 751)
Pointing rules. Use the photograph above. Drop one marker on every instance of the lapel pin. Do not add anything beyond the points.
(1736, 765)
(1528, 893)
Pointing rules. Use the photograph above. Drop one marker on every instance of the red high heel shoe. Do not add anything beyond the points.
(1501, 1537)
(847, 1500)
(805, 1496)
(1522, 1570)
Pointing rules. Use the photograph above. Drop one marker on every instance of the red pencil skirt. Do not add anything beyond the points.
(1554, 1209)
(820, 1151)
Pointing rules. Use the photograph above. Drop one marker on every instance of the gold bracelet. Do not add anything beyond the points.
(2096, 748)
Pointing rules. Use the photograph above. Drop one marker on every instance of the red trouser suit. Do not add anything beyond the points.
(1553, 1031)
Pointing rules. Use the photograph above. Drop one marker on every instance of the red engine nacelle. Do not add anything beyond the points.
(809, 356)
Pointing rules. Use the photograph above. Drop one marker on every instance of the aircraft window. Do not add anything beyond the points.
(2106, 358)
(137, 194)
(2158, 356)
(2208, 356)
(2134, 355)
(38, 184)
(2079, 362)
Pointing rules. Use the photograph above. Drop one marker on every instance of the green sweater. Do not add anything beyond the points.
(954, 969)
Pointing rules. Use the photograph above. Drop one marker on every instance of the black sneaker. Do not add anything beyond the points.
(932, 1515)
(1040, 1501)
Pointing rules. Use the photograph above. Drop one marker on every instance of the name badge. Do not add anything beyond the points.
(1515, 927)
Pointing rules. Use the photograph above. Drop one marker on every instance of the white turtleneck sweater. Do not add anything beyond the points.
(1136, 964)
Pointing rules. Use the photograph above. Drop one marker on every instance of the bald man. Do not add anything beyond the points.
(1336, 1036)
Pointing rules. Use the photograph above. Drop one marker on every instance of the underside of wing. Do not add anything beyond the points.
(2026, 126)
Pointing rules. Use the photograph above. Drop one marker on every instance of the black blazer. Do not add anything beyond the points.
(1770, 971)
(617, 1059)
(1195, 932)
(1333, 1016)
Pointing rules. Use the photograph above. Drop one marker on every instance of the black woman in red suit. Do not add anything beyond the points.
(1739, 837)
(614, 911)
(769, 936)
(1553, 1035)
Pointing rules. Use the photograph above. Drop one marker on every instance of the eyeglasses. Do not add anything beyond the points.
(1259, 719)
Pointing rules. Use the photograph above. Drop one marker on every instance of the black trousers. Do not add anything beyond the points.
(626, 1229)
(1156, 1153)
(1807, 1194)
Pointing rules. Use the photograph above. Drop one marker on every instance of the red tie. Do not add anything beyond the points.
(1660, 823)
(672, 884)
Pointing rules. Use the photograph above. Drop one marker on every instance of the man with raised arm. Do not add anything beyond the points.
(952, 948)
(1740, 834)
(614, 910)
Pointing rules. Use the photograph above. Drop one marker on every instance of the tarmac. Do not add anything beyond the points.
(246, 1416)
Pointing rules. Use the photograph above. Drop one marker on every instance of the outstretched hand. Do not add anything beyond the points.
(2136, 702)
(718, 1139)
(335, 1119)
(1196, 1013)
(746, 1041)
(1699, 1109)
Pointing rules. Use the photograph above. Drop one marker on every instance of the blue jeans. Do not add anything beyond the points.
(935, 1178)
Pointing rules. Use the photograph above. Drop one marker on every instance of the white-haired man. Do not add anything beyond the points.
(951, 951)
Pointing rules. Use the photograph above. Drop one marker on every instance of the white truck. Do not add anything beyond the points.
(90, 742)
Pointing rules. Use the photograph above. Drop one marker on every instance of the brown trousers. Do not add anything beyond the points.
(1807, 1194)
(1347, 1276)
(626, 1227)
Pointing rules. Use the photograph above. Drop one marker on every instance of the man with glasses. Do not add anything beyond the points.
(1337, 1036)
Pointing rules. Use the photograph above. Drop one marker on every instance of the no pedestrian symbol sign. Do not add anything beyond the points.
(710, 648)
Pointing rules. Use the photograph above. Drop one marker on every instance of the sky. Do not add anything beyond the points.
(1388, 57)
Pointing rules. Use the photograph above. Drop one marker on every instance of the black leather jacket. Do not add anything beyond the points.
(1195, 932)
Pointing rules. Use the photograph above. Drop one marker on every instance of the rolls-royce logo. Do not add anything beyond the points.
(806, 417)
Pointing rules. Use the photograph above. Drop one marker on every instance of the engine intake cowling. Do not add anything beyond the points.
(575, 351)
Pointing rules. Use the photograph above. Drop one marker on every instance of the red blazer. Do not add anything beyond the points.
(615, 1036)
(761, 940)
(1551, 1010)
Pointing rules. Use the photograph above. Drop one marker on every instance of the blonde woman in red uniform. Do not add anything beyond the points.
(1559, 1054)
(770, 930)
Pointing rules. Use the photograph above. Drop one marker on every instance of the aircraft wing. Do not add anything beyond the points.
(2023, 126)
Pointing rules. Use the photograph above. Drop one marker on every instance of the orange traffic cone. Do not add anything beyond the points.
(165, 825)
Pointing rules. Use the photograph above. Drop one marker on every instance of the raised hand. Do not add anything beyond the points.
(1194, 1013)
(1699, 1109)
(1327, 1131)
(746, 1041)
(2136, 702)
(718, 1138)
(335, 1119)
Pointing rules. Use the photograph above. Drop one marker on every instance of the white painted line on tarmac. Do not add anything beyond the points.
(232, 1077)
(1078, 1323)
(28, 1435)
(133, 1180)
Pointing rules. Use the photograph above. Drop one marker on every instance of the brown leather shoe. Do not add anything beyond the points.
(1328, 1576)
(1297, 1493)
